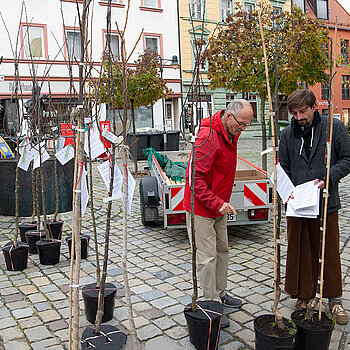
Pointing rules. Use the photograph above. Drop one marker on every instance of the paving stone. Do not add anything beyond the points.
(30, 322)
(41, 281)
(13, 297)
(148, 332)
(153, 313)
(36, 298)
(37, 333)
(11, 333)
(43, 306)
(162, 343)
(28, 289)
(23, 313)
(164, 322)
(57, 325)
(151, 295)
(176, 332)
(44, 344)
(18, 344)
(49, 315)
(163, 302)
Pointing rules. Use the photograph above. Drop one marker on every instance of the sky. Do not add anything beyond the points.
(345, 4)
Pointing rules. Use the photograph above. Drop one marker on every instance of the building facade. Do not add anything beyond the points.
(212, 13)
(48, 31)
(331, 11)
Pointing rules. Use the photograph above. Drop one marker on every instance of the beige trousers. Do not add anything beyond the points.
(212, 254)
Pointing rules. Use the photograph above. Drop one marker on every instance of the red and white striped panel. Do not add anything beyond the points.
(177, 197)
(255, 194)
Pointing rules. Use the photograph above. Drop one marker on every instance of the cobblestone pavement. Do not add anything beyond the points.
(34, 304)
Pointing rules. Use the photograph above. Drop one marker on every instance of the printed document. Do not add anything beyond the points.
(284, 185)
(306, 201)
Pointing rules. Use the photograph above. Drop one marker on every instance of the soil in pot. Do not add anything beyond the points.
(314, 334)
(55, 228)
(84, 245)
(26, 226)
(32, 237)
(16, 258)
(110, 337)
(91, 295)
(204, 324)
(268, 336)
(49, 251)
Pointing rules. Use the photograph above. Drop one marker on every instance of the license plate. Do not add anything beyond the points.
(231, 217)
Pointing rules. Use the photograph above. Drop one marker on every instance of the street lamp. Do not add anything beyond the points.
(174, 62)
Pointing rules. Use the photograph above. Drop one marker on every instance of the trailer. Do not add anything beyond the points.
(251, 194)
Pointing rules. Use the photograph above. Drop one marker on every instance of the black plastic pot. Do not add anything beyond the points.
(312, 339)
(24, 227)
(32, 237)
(264, 341)
(55, 228)
(84, 245)
(91, 295)
(204, 324)
(49, 251)
(16, 258)
(110, 337)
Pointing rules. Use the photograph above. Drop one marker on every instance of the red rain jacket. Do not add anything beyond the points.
(215, 168)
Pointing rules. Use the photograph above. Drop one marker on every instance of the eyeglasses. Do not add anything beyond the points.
(243, 125)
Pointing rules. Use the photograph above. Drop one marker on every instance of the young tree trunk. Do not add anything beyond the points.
(57, 190)
(263, 131)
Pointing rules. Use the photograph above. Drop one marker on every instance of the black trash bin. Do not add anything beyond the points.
(156, 140)
(172, 137)
(141, 143)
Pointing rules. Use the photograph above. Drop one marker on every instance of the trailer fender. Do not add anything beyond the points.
(149, 196)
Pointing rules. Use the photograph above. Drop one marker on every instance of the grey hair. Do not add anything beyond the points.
(235, 107)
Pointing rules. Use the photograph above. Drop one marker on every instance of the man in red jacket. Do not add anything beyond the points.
(215, 168)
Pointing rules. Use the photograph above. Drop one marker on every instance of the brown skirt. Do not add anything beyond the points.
(302, 268)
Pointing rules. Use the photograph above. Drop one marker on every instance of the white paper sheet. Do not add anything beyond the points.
(65, 154)
(97, 147)
(84, 192)
(59, 143)
(104, 170)
(109, 136)
(26, 158)
(284, 185)
(306, 201)
(131, 188)
(44, 156)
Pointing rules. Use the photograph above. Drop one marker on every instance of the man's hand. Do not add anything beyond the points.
(227, 208)
(320, 183)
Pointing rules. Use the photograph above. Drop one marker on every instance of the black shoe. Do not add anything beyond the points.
(225, 322)
(228, 301)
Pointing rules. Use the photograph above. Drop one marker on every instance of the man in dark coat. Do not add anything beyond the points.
(302, 152)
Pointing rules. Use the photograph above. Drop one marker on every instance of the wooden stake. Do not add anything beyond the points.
(328, 166)
(277, 288)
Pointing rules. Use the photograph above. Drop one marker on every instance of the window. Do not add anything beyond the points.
(115, 45)
(198, 48)
(344, 51)
(226, 9)
(299, 3)
(324, 91)
(322, 9)
(325, 112)
(196, 9)
(345, 87)
(73, 45)
(150, 3)
(33, 41)
(248, 7)
(152, 44)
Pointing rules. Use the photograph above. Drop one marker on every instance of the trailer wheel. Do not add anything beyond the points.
(149, 201)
